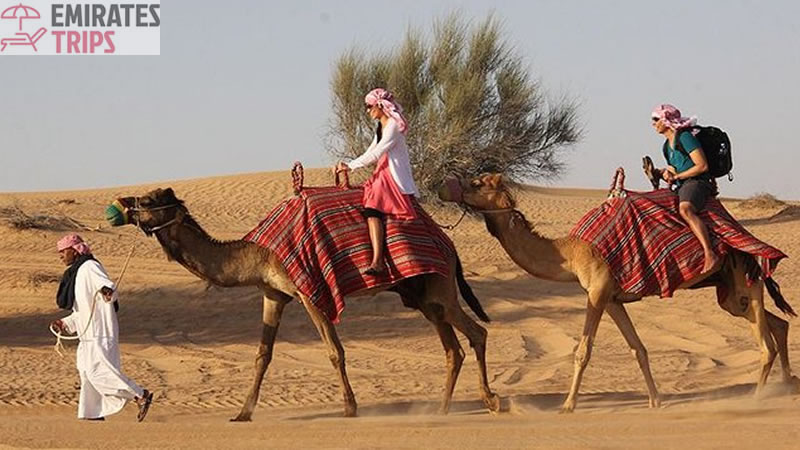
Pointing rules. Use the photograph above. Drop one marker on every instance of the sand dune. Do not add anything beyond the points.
(194, 345)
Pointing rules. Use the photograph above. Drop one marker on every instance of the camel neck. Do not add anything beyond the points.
(219, 262)
(539, 256)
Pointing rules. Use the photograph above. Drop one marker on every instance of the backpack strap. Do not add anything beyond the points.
(678, 145)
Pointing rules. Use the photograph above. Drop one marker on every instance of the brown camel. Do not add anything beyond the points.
(241, 263)
(571, 260)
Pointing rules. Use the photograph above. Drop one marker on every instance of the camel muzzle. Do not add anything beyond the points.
(116, 214)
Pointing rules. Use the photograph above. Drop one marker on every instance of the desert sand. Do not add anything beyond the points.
(194, 345)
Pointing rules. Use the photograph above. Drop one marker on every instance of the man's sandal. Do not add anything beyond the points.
(144, 405)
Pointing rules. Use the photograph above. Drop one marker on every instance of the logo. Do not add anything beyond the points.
(21, 12)
(58, 27)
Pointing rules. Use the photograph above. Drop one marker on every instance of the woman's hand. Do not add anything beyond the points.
(341, 166)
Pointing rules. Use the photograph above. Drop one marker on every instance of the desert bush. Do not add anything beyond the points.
(762, 200)
(39, 278)
(471, 103)
(17, 218)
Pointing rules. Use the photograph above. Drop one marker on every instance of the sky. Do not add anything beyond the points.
(244, 86)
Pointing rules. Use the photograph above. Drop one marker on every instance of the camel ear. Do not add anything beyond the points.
(169, 193)
(494, 180)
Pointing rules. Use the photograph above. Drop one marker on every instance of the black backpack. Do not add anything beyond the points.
(716, 146)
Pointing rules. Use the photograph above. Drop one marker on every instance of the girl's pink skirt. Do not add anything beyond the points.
(382, 194)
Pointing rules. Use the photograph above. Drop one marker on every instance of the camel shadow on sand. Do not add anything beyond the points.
(551, 403)
(190, 312)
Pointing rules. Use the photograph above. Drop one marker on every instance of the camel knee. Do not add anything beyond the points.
(337, 359)
(768, 354)
(639, 353)
(455, 357)
(264, 356)
(582, 356)
(478, 337)
(476, 334)
(777, 325)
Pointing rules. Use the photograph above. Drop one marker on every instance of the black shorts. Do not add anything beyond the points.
(371, 212)
(697, 192)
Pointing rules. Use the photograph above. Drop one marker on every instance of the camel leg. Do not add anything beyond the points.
(273, 309)
(476, 334)
(758, 321)
(335, 352)
(779, 329)
(622, 319)
(453, 350)
(594, 311)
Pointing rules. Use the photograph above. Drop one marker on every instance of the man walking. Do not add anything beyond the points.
(87, 291)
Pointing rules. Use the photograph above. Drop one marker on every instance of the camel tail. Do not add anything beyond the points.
(469, 296)
(775, 292)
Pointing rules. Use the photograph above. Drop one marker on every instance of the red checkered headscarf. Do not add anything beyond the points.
(385, 101)
(672, 117)
(75, 242)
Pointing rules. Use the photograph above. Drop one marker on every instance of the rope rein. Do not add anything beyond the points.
(58, 347)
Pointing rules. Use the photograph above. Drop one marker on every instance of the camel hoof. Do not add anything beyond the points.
(567, 408)
(759, 393)
(443, 411)
(493, 403)
(241, 418)
(793, 384)
(351, 411)
(655, 403)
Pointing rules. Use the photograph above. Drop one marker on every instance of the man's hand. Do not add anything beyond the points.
(668, 174)
(107, 292)
(57, 325)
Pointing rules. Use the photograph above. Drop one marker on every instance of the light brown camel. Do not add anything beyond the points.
(241, 263)
(570, 259)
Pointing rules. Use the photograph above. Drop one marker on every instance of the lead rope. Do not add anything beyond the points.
(451, 226)
(58, 347)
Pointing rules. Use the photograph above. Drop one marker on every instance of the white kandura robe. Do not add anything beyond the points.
(104, 388)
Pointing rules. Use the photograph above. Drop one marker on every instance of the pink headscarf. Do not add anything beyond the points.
(75, 242)
(672, 117)
(385, 101)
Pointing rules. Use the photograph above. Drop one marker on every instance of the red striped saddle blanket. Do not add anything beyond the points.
(322, 239)
(651, 250)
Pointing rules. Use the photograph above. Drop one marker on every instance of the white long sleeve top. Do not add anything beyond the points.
(394, 142)
(91, 277)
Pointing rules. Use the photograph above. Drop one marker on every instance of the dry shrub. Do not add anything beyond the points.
(17, 218)
(471, 103)
(762, 201)
(39, 278)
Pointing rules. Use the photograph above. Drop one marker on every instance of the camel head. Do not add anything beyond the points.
(151, 212)
(484, 193)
